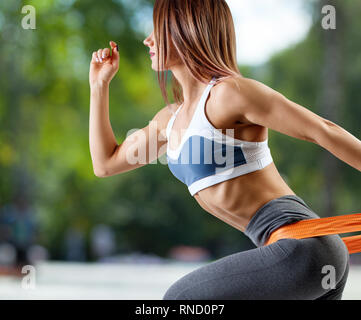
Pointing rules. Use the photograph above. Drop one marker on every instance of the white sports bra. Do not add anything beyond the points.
(206, 156)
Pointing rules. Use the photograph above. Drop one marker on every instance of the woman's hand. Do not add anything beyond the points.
(103, 67)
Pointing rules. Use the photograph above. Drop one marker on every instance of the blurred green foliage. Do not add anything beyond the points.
(44, 132)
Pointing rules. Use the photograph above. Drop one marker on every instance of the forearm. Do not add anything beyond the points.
(102, 141)
(341, 144)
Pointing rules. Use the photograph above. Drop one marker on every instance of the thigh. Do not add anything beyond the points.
(250, 274)
(286, 269)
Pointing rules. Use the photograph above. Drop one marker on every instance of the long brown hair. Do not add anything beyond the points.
(202, 32)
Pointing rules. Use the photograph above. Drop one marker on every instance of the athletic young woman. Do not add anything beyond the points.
(195, 40)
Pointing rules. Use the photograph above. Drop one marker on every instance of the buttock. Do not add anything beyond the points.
(320, 254)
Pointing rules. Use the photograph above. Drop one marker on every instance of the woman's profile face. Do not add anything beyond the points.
(174, 58)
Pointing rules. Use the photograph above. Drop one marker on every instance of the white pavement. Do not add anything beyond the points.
(98, 281)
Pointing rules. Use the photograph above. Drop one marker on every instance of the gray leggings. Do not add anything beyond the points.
(284, 270)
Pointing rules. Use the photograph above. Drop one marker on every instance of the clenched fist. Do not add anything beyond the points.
(103, 67)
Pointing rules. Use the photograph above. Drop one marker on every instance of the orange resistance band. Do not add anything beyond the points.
(321, 227)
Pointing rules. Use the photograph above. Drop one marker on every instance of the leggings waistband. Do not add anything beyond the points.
(274, 214)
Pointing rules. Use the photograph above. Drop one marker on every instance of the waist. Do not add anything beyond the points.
(240, 198)
(275, 214)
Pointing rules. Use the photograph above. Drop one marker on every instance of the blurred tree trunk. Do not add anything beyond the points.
(331, 97)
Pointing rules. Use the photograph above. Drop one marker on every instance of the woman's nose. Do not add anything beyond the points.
(148, 39)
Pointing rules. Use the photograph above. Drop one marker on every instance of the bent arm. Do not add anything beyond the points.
(102, 141)
(140, 147)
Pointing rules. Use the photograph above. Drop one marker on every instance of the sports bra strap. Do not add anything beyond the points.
(200, 104)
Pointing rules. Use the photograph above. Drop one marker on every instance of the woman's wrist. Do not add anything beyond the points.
(100, 84)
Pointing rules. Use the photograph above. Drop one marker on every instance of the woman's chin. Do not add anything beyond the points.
(158, 70)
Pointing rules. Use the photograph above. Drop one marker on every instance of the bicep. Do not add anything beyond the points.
(141, 147)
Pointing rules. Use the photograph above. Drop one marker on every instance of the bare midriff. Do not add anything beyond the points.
(235, 201)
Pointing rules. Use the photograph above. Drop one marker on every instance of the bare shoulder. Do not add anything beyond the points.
(238, 96)
(240, 90)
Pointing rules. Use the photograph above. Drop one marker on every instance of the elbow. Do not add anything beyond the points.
(103, 168)
(101, 173)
